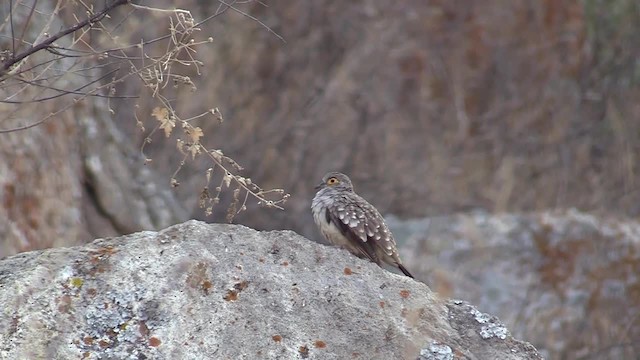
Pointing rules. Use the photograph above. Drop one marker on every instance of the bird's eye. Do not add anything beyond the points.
(332, 181)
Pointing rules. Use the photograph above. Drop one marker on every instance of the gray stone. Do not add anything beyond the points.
(566, 280)
(200, 291)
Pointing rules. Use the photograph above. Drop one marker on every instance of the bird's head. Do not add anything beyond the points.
(336, 181)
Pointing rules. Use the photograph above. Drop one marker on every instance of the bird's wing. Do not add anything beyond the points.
(361, 223)
(341, 217)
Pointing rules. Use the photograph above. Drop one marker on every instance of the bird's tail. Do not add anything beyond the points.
(405, 271)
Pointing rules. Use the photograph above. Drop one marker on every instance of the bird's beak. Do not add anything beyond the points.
(319, 186)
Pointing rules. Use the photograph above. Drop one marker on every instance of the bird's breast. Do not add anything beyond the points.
(333, 234)
(328, 229)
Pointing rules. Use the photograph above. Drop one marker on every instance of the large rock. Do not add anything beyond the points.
(566, 280)
(198, 291)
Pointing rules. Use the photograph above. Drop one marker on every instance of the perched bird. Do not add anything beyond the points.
(349, 221)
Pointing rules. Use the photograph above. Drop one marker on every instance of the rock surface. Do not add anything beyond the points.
(198, 291)
(565, 280)
(76, 175)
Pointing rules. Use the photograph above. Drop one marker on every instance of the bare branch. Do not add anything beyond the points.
(102, 53)
(6, 66)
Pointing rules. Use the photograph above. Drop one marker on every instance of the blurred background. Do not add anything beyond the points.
(500, 138)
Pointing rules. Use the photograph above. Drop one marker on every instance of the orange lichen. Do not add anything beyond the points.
(347, 271)
(206, 286)
(231, 295)
(197, 278)
(241, 285)
(304, 351)
(277, 338)
(154, 342)
(320, 344)
(105, 251)
(404, 293)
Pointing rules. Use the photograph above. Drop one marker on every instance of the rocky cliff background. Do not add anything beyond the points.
(433, 108)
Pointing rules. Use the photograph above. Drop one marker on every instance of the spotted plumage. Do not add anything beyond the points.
(347, 220)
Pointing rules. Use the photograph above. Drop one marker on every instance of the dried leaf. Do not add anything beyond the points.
(166, 122)
(204, 196)
(180, 145)
(195, 134)
(195, 150)
(161, 114)
(217, 155)
(227, 179)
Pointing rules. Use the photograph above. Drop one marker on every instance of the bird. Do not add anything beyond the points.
(347, 220)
